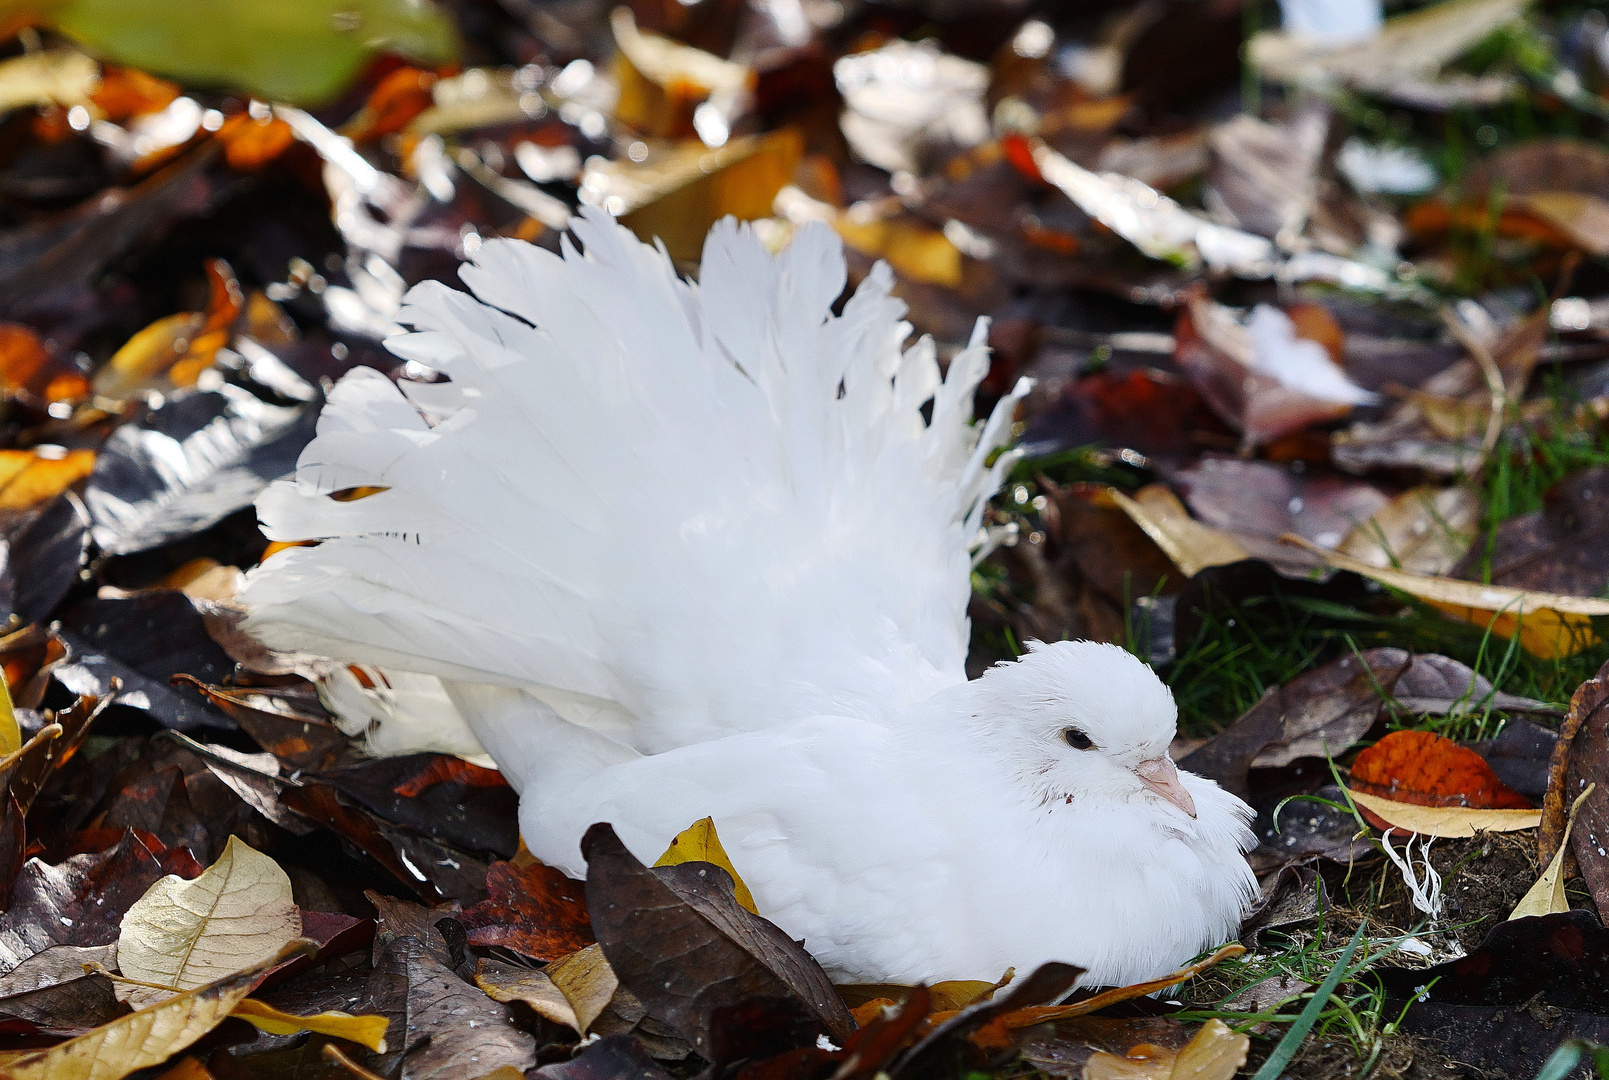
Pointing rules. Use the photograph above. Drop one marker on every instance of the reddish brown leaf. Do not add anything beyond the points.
(535, 910)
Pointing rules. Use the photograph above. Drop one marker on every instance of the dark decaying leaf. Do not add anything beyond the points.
(871, 1051)
(446, 797)
(534, 910)
(1327, 709)
(300, 740)
(945, 1047)
(189, 465)
(82, 900)
(1562, 548)
(1305, 828)
(91, 672)
(1581, 757)
(52, 990)
(1520, 755)
(442, 1027)
(42, 556)
(1532, 983)
(730, 982)
(613, 1057)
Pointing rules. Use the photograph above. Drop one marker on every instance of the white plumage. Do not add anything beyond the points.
(680, 550)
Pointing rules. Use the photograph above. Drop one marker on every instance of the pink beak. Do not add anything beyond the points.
(1160, 776)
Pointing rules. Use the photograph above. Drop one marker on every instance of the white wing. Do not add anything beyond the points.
(673, 511)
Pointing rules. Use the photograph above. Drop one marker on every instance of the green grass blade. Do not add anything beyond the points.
(1304, 1023)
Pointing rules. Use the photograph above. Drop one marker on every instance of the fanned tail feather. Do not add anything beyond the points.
(672, 511)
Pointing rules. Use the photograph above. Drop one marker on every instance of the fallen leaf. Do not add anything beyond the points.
(1558, 549)
(963, 1033)
(613, 1057)
(535, 910)
(1547, 625)
(1427, 769)
(1453, 821)
(444, 796)
(649, 922)
(34, 372)
(1547, 897)
(1191, 545)
(182, 934)
(1425, 530)
(58, 990)
(1579, 759)
(364, 1030)
(250, 141)
(152, 1035)
(700, 843)
(29, 477)
(62, 77)
(512, 982)
(587, 982)
(1583, 218)
(1257, 502)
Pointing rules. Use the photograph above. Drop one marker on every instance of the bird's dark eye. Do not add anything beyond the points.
(1077, 739)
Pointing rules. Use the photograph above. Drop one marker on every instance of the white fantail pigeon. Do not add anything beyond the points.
(678, 550)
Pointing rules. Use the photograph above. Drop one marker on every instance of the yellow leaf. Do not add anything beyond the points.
(54, 77)
(1548, 625)
(587, 982)
(149, 1037)
(1547, 897)
(365, 1030)
(1215, 1053)
(10, 733)
(918, 252)
(182, 934)
(699, 843)
(28, 477)
(146, 357)
(1454, 821)
(511, 982)
(1583, 218)
(1191, 545)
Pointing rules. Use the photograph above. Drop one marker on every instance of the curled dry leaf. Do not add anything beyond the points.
(587, 982)
(364, 1030)
(1191, 545)
(506, 982)
(182, 934)
(1547, 897)
(152, 1035)
(1581, 759)
(1547, 624)
(1452, 821)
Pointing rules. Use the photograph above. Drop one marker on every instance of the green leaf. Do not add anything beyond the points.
(300, 51)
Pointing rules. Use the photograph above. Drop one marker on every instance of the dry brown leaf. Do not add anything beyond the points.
(587, 982)
(1584, 219)
(699, 843)
(1452, 821)
(505, 982)
(182, 934)
(1044, 1014)
(1425, 530)
(364, 1030)
(1548, 625)
(149, 1037)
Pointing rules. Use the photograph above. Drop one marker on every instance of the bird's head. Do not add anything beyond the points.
(1081, 720)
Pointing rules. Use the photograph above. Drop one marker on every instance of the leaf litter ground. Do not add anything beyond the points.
(1352, 294)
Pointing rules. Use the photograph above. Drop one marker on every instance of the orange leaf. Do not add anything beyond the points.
(250, 143)
(28, 477)
(399, 97)
(128, 92)
(1425, 769)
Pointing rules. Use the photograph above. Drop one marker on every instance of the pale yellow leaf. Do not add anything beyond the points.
(52, 77)
(1583, 218)
(1191, 545)
(149, 1037)
(699, 843)
(1454, 821)
(1154, 1066)
(1425, 530)
(364, 1030)
(511, 982)
(1547, 897)
(1215, 1053)
(1549, 625)
(183, 934)
(587, 982)
(10, 733)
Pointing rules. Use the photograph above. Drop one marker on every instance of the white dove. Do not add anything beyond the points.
(678, 551)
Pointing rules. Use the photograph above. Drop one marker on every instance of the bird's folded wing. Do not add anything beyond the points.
(709, 507)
